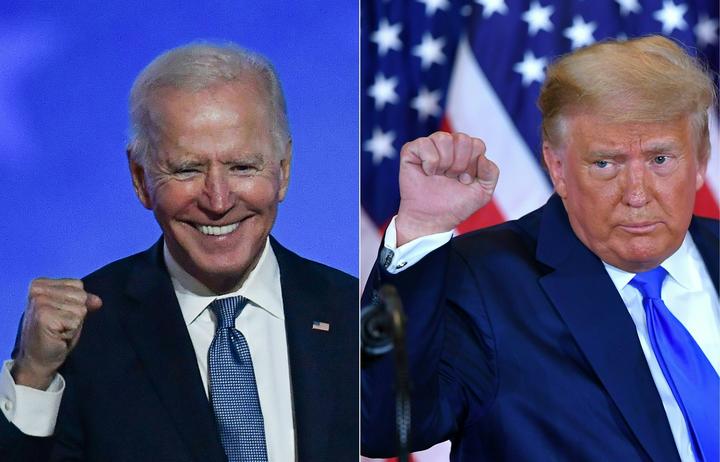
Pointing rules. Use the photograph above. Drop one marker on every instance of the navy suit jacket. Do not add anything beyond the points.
(523, 351)
(134, 392)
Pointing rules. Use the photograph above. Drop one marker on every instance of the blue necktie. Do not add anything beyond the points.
(233, 391)
(692, 379)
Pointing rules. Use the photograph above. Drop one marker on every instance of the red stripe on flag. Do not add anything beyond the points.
(705, 204)
(395, 459)
(445, 125)
(486, 216)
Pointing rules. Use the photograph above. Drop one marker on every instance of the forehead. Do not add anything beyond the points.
(592, 132)
(226, 118)
(232, 102)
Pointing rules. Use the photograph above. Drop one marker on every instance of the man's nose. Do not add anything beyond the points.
(218, 194)
(636, 184)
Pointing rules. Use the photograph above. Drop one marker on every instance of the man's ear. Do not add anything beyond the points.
(285, 162)
(137, 172)
(554, 159)
(702, 158)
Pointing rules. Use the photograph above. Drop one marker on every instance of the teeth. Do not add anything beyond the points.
(217, 230)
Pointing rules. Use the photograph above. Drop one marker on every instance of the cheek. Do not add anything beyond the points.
(593, 205)
(260, 192)
(171, 198)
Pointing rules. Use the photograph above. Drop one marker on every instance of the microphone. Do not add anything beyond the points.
(376, 322)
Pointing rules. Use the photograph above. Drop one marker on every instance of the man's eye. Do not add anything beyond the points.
(601, 163)
(660, 159)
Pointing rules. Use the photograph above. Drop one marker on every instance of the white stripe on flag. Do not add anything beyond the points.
(474, 108)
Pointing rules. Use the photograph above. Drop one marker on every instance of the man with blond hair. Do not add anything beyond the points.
(217, 343)
(588, 330)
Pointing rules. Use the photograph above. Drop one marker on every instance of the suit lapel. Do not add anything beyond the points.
(310, 372)
(590, 305)
(707, 240)
(157, 331)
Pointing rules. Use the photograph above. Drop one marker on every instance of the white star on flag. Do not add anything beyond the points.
(538, 18)
(531, 68)
(380, 145)
(383, 91)
(427, 103)
(629, 6)
(671, 16)
(705, 31)
(492, 6)
(431, 6)
(387, 37)
(581, 32)
(430, 50)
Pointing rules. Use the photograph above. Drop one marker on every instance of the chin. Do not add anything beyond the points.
(643, 258)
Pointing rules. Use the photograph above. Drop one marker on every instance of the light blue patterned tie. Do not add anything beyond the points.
(692, 379)
(233, 391)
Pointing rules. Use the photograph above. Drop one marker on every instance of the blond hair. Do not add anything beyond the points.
(647, 79)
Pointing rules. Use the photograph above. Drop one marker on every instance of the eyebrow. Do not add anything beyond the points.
(661, 146)
(605, 153)
(650, 148)
(253, 158)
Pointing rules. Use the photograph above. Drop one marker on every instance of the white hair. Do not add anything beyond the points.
(198, 66)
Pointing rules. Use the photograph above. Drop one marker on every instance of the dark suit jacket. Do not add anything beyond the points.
(524, 351)
(134, 392)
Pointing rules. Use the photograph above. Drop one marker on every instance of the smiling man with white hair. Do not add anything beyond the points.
(215, 343)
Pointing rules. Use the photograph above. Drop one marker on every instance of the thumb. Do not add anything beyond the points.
(487, 171)
(93, 302)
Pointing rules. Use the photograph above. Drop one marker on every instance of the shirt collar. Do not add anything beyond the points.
(683, 266)
(261, 288)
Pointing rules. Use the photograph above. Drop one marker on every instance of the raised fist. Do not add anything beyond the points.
(51, 328)
(444, 178)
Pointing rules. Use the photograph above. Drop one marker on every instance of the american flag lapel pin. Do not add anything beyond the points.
(323, 326)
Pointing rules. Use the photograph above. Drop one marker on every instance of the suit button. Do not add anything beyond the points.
(6, 405)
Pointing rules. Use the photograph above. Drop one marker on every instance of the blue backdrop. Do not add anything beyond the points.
(65, 71)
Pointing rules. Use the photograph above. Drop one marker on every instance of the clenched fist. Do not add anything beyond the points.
(51, 327)
(444, 178)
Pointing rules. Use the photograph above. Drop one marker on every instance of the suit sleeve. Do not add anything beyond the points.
(442, 344)
(66, 442)
(15, 446)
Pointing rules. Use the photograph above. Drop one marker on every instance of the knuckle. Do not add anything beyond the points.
(37, 286)
(71, 282)
(460, 137)
(479, 145)
(442, 137)
(41, 300)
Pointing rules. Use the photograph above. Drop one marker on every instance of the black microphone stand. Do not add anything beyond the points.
(382, 329)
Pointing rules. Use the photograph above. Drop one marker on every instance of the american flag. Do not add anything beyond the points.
(476, 67)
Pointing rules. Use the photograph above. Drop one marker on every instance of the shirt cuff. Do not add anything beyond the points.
(396, 259)
(34, 412)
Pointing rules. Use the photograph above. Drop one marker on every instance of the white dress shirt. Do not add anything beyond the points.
(688, 292)
(262, 322)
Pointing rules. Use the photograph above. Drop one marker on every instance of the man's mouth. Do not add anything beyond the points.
(639, 227)
(209, 230)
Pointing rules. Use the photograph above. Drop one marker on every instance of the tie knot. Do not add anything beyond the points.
(227, 309)
(650, 282)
